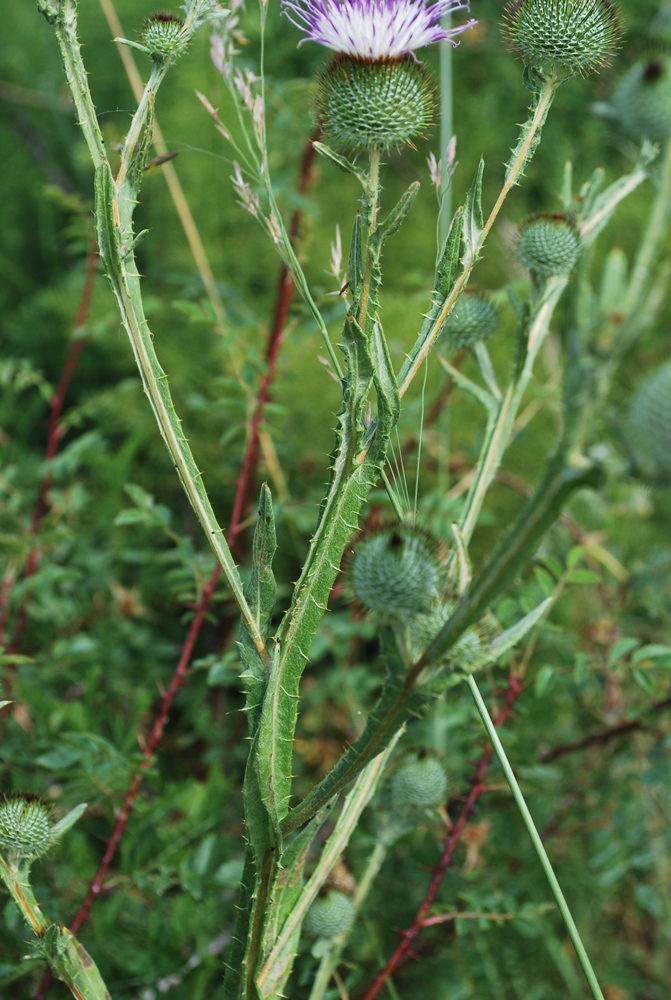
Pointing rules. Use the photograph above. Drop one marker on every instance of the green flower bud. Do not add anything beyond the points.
(642, 100)
(421, 782)
(648, 424)
(25, 827)
(465, 655)
(367, 105)
(330, 915)
(472, 319)
(549, 246)
(163, 36)
(568, 37)
(395, 575)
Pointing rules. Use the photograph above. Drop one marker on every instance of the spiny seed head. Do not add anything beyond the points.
(465, 655)
(330, 915)
(25, 826)
(363, 104)
(642, 99)
(549, 246)
(163, 36)
(394, 574)
(473, 319)
(420, 781)
(568, 37)
(648, 424)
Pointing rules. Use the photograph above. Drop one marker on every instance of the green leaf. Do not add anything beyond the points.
(652, 652)
(645, 681)
(68, 820)
(497, 647)
(355, 269)
(342, 162)
(393, 221)
(544, 679)
(620, 649)
(583, 576)
(260, 593)
(449, 257)
(473, 222)
(576, 555)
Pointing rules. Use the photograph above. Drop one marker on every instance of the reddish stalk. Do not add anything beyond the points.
(422, 919)
(604, 735)
(241, 503)
(53, 439)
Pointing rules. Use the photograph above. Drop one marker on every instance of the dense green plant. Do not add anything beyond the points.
(562, 624)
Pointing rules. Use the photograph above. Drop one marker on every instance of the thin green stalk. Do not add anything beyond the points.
(330, 960)
(513, 173)
(536, 840)
(115, 201)
(446, 125)
(273, 975)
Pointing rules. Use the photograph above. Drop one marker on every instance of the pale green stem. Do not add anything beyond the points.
(114, 204)
(330, 960)
(536, 841)
(357, 800)
(512, 178)
(368, 266)
(446, 126)
(498, 436)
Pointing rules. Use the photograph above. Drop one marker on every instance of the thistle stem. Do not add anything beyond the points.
(536, 840)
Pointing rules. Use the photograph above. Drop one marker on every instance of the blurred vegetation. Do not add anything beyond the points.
(122, 561)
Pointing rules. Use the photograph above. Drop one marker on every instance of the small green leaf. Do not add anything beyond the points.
(645, 681)
(393, 221)
(620, 650)
(544, 679)
(576, 555)
(342, 162)
(652, 652)
(68, 820)
(473, 222)
(583, 576)
(355, 270)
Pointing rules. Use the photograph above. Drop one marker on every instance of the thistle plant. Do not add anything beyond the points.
(433, 600)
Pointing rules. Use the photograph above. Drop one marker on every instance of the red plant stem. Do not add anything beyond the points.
(422, 920)
(240, 506)
(53, 438)
(604, 735)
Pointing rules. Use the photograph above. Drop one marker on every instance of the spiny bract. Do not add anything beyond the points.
(648, 424)
(563, 36)
(163, 36)
(366, 105)
(420, 781)
(394, 574)
(25, 827)
(549, 246)
(642, 100)
(473, 319)
(330, 915)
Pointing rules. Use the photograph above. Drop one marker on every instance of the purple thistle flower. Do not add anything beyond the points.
(374, 29)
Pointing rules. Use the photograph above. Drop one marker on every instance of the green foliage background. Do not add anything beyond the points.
(122, 565)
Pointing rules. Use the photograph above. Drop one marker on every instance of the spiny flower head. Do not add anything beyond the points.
(374, 29)
(25, 826)
(567, 36)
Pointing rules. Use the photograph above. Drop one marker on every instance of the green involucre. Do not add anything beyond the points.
(373, 105)
(563, 36)
(472, 319)
(642, 100)
(648, 424)
(420, 781)
(549, 246)
(163, 36)
(330, 915)
(394, 574)
(25, 827)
